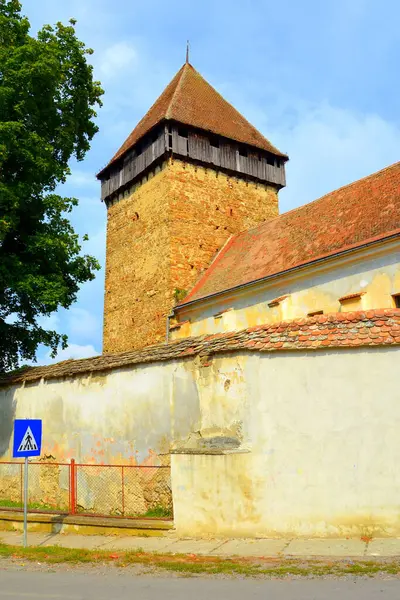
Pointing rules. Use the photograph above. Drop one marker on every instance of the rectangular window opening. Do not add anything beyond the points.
(183, 132)
(243, 151)
(315, 312)
(214, 142)
(396, 298)
(351, 297)
(271, 161)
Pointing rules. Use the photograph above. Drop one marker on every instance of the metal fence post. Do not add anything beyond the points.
(72, 487)
(123, 490)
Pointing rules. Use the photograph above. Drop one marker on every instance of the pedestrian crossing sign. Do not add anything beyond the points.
(27, 437)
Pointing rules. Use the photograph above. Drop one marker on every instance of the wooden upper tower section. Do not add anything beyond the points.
(192, 121)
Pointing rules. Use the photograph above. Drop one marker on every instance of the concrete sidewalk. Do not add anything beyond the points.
(355, 548)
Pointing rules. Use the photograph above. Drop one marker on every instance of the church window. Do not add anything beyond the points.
(270, 160)
(242, 151)
(277, 301)
(396, 298)
(315, 313)
(183, 132)
(351, 302)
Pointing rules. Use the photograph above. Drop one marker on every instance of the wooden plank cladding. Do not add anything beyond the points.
(197, 146)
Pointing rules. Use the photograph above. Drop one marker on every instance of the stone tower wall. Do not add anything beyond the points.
(162, 235)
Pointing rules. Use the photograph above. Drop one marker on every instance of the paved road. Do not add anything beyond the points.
(85, 586)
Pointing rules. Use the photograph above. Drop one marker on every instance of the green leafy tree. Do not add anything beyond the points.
(47, 111)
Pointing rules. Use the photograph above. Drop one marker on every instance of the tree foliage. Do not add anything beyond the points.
(47, 110)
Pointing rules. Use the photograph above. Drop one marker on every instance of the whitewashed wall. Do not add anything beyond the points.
(308, 442)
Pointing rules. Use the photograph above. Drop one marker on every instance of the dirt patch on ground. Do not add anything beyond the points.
(189, 565)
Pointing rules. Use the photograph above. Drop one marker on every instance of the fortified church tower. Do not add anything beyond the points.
(192, 173)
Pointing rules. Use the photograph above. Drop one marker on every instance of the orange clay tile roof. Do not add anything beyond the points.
(362, 212)
(189, 99)
(336, 330)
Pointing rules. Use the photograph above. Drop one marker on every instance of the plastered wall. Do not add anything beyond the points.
(375, 274)
(263, 444)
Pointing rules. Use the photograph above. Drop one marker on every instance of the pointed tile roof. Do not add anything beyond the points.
(362, 212)
(190, 100)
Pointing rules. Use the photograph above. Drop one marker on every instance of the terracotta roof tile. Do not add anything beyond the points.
(277, 301)
(345, 330)
(190, 100)
(351, 296)
(364, 211)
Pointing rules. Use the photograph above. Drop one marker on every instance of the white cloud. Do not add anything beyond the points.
(82, 178)
(82, 323)
(117, 59)
(329, 147)
(51, 322)
(73, 351)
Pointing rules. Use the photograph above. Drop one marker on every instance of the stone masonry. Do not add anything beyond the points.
(161, 235)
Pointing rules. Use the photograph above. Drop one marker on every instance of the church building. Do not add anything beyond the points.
(195, 241)
(251, 355)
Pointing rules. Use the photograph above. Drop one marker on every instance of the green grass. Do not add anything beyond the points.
(197, 565)
(158, 512)
(31, 505)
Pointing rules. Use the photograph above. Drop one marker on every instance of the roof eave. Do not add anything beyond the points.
(113, 161)
(318, 260)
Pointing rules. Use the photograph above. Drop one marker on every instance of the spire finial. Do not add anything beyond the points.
(187, 52)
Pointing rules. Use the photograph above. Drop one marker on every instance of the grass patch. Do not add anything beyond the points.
(158, 512)
(31, 505)
(197, 565)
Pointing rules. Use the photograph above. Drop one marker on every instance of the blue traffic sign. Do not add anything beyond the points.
(27, 438)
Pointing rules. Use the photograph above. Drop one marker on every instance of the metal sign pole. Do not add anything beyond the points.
(26, 502)
(27, 442)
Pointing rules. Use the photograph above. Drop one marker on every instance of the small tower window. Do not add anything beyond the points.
(270, 160)
(183, 132)
(243, 151)
(396, 298)
(214, 142)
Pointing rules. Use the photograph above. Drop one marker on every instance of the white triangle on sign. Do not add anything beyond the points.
(28, 442)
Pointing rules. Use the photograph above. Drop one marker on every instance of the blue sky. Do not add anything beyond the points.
(319, 79)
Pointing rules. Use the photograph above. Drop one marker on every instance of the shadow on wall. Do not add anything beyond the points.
(7, 414)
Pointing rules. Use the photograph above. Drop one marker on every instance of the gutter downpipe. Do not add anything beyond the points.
(171, 314)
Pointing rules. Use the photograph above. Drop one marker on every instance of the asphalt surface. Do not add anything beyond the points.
(85, 586)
